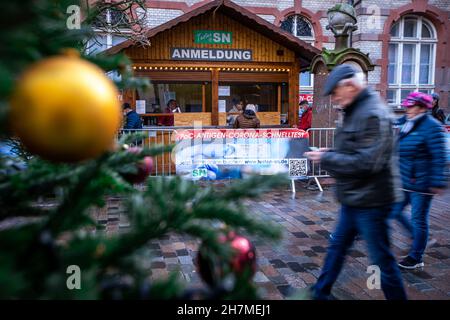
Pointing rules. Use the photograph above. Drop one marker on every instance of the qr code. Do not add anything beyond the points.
(298, 167)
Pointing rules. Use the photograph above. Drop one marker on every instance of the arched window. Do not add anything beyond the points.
(412, 58)
(300, 27)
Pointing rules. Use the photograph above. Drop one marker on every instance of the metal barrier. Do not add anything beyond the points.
(319, 138)
(163, 164)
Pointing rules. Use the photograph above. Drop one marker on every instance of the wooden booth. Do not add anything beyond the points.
(213, 57)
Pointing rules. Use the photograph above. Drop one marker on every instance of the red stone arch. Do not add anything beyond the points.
(440, 21)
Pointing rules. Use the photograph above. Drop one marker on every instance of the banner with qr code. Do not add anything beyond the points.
(215, 154)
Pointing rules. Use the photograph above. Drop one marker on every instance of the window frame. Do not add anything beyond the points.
(400, 40)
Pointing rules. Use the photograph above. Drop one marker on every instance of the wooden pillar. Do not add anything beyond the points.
(293, 93)
(279, 99)
(215, 97)
(203, 97)
(129, 95)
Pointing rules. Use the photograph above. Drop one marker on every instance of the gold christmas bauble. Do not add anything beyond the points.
(65, 109)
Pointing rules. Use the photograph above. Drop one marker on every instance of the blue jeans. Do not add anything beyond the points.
(420, 207)
(371, 223)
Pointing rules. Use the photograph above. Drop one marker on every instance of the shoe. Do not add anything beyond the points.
(410, 263)
(431, 242)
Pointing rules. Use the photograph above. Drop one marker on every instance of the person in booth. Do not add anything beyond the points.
(238, 106)
(169, 120)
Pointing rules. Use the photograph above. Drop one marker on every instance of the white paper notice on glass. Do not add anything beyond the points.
(222, 105)
(224, 91)
(140, 106)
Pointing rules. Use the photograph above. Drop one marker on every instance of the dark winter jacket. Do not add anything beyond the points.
(132, 121)
(438, 114)
(247, 120)
(422, 155)
(363, 161)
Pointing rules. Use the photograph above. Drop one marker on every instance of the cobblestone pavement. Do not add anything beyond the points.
(295, 261)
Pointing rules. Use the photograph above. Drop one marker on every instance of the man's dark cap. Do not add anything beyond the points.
(341, 72)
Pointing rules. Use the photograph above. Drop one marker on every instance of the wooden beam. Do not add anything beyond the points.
(203, 97)
(215, 97)
(279, 99)
(293, 93)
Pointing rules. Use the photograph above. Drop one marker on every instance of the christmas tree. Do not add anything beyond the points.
(64, 161)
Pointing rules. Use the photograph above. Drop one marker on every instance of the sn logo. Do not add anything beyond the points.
(199, 173)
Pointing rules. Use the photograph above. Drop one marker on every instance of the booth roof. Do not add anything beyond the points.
(304, 50)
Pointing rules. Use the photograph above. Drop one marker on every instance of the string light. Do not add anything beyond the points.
(210, 69)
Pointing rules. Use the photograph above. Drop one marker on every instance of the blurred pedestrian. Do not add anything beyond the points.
(422, 150)
(363, 165)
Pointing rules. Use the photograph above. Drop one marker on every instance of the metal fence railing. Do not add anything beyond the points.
(320, 138)
(163, 164)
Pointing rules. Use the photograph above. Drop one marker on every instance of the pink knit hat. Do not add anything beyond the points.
(418, 99)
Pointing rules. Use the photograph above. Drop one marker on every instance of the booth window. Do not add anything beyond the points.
(263, 95)
(189, 96)
(412, 56)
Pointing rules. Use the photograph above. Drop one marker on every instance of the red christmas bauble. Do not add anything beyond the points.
(213, 268)
(144, 168)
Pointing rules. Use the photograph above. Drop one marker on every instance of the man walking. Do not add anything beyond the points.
(367, 180)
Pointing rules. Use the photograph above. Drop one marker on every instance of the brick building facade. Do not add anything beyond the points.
(407, 40)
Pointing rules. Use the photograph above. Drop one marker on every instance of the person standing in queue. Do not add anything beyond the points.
(132, 119)
(305, 121)
(247, 119)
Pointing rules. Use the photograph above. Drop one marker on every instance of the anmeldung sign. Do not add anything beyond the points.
(211, 54)
(212, 37)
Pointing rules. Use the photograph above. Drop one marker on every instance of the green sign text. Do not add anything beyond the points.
(212, 37)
